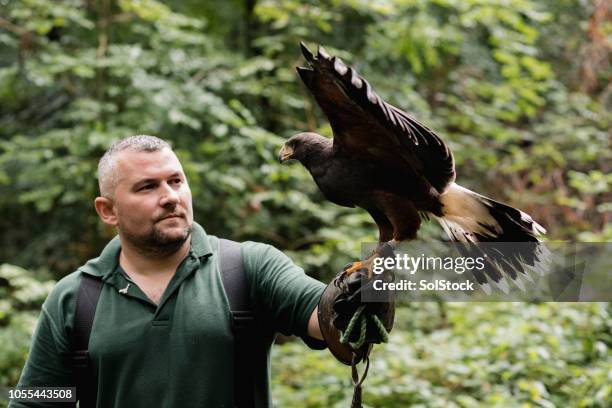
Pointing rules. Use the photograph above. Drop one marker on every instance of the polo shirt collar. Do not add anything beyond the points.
(200, 244)
(107, 262)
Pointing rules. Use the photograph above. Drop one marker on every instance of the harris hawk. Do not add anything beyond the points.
(385, 161)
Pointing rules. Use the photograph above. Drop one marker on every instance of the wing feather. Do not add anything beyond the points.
(363, 122)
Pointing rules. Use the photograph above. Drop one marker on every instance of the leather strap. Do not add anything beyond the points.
(86, 303)
(243, 319)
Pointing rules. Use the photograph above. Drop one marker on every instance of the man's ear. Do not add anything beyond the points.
(106, 211)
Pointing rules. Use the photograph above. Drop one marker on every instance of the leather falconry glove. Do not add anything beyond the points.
(353, 316)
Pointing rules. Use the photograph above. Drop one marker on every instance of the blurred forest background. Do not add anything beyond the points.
(520, 90)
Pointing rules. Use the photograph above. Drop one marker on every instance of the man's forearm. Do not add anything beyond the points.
(313, 325)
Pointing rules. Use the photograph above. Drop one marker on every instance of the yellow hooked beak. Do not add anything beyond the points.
(285, 153)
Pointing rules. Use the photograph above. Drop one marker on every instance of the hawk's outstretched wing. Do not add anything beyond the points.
(366, 126)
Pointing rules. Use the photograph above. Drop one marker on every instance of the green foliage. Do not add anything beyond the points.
(75, 76)
(516, 87)
(471, 355)
(21, 295)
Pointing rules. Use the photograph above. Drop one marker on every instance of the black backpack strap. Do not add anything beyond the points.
(237, 291)
(86, 303)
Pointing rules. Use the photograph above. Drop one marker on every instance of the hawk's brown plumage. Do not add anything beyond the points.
(385, 161)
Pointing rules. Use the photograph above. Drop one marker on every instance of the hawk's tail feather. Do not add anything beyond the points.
(473, 218)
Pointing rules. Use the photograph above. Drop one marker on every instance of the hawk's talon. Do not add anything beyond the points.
(347, 266)
(353, 267)
(359, 266)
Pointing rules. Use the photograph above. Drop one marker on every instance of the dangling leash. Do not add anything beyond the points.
(360, 319)
(344, 339)
(357, 389)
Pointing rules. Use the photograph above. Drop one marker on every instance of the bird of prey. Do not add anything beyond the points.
(385, 161)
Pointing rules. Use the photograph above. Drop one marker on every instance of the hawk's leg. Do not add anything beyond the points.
(384, 249)
(359, 265)
(397, 219)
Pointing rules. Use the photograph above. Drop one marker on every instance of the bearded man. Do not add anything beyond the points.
(161, 335)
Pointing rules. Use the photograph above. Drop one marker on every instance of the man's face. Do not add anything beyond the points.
(152, 201)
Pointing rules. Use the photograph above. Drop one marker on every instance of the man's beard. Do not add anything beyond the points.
(157, 243)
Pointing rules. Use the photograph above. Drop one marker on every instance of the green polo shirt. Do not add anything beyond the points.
(178, 353)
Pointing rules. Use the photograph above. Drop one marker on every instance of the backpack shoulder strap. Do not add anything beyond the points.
(86, 303)
(237, 290)
(233, 275)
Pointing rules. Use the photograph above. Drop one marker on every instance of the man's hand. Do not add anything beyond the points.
(362, 313)
(353, 315)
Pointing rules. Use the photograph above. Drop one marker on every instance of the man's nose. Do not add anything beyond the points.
(169, 196)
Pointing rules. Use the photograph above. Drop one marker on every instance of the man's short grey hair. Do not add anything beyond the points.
(107, 167)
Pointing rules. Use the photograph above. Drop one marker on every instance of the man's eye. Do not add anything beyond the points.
(146, 187)
(177, 181)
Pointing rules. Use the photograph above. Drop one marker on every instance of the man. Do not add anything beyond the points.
(161, 335)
